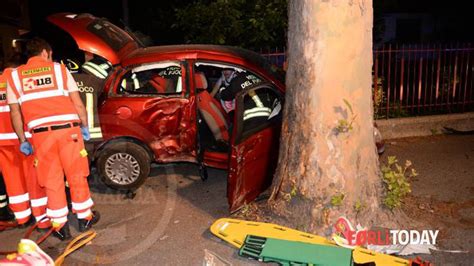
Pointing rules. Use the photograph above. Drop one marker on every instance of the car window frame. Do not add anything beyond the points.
(219, 64)
(240, 135)
(124, 71)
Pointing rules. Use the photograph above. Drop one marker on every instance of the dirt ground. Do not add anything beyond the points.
(167, 223)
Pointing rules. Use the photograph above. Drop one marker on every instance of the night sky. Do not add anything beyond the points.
(154, 18)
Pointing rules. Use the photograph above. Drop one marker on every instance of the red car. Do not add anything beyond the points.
(159, 104)
(156, 106)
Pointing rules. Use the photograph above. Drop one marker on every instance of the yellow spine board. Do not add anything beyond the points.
(362, 255)
(234, 232)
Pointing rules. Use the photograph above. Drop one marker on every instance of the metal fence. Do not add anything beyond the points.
(418, 79)
(275, 56)
(424, 79)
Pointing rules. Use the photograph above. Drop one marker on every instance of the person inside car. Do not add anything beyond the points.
(227, 74)
(222, 84)
(257, 106)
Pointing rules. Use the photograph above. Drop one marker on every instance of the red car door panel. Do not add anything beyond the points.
(252, 165)
(254, 154)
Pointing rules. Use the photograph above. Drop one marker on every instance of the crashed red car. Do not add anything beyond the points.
(156, 106)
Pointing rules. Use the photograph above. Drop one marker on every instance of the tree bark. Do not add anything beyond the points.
(329, 64)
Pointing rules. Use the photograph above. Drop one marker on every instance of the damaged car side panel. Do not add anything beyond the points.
(165, 125)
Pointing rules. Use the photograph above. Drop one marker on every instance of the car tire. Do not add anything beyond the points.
(123, 165)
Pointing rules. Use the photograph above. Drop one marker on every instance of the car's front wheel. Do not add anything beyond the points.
(124, 165)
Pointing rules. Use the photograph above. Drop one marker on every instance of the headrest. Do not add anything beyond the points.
(200, 81)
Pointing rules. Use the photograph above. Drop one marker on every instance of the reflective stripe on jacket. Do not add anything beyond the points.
(40, 89)
(7, 134)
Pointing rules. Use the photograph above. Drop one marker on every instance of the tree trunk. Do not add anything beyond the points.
(328, 163)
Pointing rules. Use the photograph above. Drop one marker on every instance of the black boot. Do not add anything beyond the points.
(85, 224)
(6, 215)
(63, 233)
(29, 223)
(42, 230)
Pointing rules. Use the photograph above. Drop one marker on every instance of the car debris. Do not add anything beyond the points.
(212, 259)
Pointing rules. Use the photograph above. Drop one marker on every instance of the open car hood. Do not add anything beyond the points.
(96, 35)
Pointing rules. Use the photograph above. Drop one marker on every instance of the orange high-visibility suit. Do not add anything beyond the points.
(42, 90)
(18, 172)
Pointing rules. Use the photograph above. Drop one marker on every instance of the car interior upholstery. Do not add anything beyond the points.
(210, 110)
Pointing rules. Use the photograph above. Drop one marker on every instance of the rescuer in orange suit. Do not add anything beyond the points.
(17, 168)
(5, 214)
(44, 96)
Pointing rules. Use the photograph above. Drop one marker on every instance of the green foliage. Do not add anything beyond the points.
(434, 131)
(245, 209)
(292, 194)
(379, 101)
(346, 102)
(247, 23)
(396, 182)
(358, 206)
(344, 125)
(337, 199)
(294, 191)
(378, 97)
(397, 110)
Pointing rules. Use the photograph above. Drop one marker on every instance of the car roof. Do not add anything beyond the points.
(190, 51)
(230, 54)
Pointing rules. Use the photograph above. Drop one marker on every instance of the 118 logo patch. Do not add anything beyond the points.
(39, 82)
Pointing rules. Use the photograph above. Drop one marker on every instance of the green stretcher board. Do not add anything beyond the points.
(287, 252)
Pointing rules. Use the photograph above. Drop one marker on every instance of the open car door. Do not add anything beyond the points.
(255, 143)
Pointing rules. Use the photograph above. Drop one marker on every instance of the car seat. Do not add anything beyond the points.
(159, 83)
(210, 109)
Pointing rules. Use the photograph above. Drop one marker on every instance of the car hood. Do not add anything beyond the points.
(96, 35)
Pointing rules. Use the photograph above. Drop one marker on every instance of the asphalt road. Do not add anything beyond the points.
(442, 195)
(167, 223)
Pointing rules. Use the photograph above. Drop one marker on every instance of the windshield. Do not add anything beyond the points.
(115, 37)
